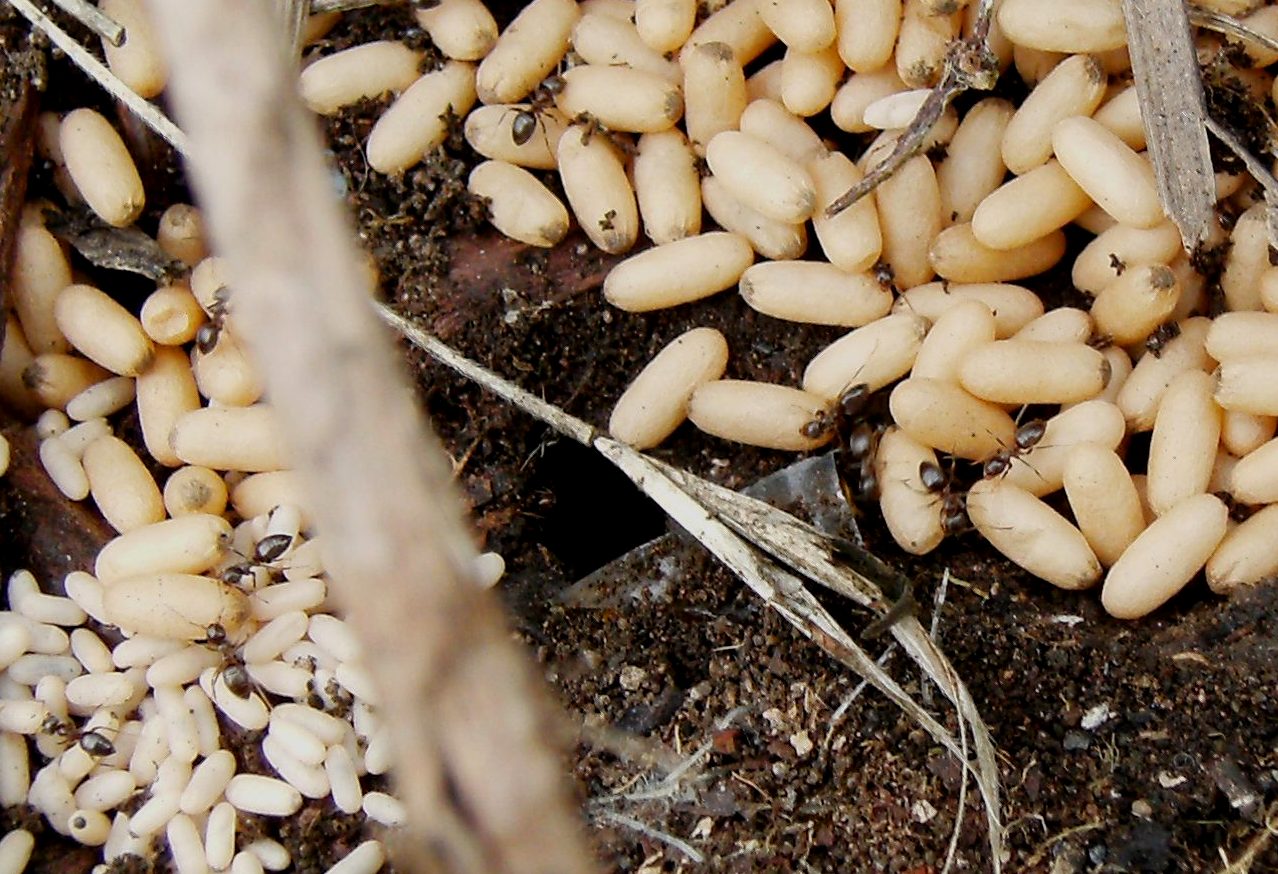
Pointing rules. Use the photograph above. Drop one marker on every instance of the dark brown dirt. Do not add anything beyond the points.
(1179, 773)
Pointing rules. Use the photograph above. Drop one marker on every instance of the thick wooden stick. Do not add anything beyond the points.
(482, 783)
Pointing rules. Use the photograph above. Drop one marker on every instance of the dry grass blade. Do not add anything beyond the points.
(96, 70)
(16, 143)
(768, 549)
(970, 64)
(1170, 89)
(483, 787)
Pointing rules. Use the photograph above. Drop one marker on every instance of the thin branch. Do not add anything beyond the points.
(99, 72)
(345, 5)
(482, 784)
(1259, 172)
(655, 834)
(94, 19)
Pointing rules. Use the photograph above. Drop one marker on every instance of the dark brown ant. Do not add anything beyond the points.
(837, 417)
(234, 673)
(1116, 264)
(1027, 437)
(208, 334)
(1162, 335)
(92, 741)
(542, 99)
(268, 550)
(953, 502)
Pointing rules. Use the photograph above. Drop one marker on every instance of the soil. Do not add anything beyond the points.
(706, 727)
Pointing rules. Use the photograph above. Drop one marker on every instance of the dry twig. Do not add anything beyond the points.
(98, 71)
(93, 18)
(483, 787)
(1170, 89)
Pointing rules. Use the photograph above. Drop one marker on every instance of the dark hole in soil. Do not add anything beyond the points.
(591, 513)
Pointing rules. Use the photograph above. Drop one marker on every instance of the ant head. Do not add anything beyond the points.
(554, 83)
(96, 744)
(997, 464)
(954, 516)
(214, 633)
(861, 441)
(818, 426)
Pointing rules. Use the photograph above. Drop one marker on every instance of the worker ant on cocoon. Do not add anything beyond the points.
(233, 671)
(91, 740)
(541, 100)
(952, 499)
(1027, 437)
(209, 333)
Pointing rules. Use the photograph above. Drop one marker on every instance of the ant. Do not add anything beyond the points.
(542, 99)
(92, 741)
(836, 417)
(953, 502)
(1027, 437)
(268, 550)
(1156, 342)
(234, 673)
(208, 334)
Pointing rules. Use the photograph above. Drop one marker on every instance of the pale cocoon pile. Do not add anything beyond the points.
(806, 25)
(1254, 478)
(810, 79)
(739, 26)
(190, 544)
(958, 256)
(55, 378)
(1247, 555)
(1013, 306)
(1122, 248)
(367, 70)
(973, 166)
(1121, 114)
(1041, 470)
(1240, 334)
(1165, 557)
(418, 119)
(714, 92)
(1019, 371)
(180, 234)
(963, 327)
(1119, 180)
(40, 272)
(758, 414)
(463, 30)
(165, 392)
(1104, 500)
(815, 293)
(1032, 534)
(909, 207)
(171, 315)
(942, 415)
(102, 330)
(1247, 384)
(488, 130)
(665, 24)
(1073, 87)
(177, 606)
(621, 98)
(922, 43)
(1133, 305)
(875, 355)
(230, 438)
(851, 239)
(138, 62)
(1186, 434)
(1241, 433)
(527, 50)
(1077, 26)
(121, 486)
(911, 512)
(667, 186)
(1028, 207)
(678, 272)
(772, 239)
(761, 177)
(519, 205)
(191, 490)
(608, 41)
(867, 31)
(1140, 395)
(656, 402)
(598, 190)
(101, 167)
(1061, 325)
(768, 120)
(859, 92)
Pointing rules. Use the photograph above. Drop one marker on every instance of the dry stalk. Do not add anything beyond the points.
(483, 786)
